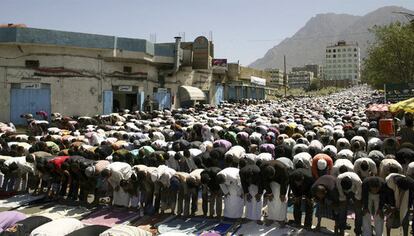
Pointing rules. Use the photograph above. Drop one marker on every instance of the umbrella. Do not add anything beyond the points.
(406, 105)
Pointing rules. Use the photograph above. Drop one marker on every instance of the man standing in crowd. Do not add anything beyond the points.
(301, 182)
(165, 197)
(276, 180)
(350, 193)
(211, 192)
(193, 186)
(253, 192)
(183, 200)
(59, 177)
(230, 185)
(373, 200)
(326, 195)
(400, 186)
(95, 179)
(142, 177)
(147, 104)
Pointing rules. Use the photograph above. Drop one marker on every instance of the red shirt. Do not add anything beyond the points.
(315, 160)
(58, 161)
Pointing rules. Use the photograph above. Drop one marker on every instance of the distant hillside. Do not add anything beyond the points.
(309, 43)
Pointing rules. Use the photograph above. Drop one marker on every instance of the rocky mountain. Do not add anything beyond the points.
(307, 46)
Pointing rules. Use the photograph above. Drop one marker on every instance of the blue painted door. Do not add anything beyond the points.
(262, 93)
(107, 102)
(254, 95)
(245, 89)
(219, 94)
(238, 92)
(164, 100)
(28, 101)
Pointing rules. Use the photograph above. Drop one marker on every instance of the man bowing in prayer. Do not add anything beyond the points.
(350, 194)
(211, 193)
(114, 173)
(230, 184)
(276, 180)
(301, 182)
(253, 191)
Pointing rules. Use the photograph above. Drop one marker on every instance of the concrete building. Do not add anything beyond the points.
(314, 68)
(87, 74)
(276, 78)
(245, 83)
(342, 64)
(300, 80)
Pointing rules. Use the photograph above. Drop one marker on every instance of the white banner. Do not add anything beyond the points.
(257, 80)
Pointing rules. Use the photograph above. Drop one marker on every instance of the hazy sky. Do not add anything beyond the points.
(242, 30)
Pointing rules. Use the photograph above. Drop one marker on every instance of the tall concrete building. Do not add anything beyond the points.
(276, 77)
(300, 79)
(343, 63)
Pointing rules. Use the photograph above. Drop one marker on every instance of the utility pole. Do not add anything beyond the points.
(284, 74)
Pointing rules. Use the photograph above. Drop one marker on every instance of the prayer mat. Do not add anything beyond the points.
(19, 200)
(252, 228)
(35, 208)
(223, 228)
(151, 220)
(169, 218)
(193, 225)
(109, 216)
(61, 211)
(148, 223)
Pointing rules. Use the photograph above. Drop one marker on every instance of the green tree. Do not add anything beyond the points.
(315, 84)
(391, 58)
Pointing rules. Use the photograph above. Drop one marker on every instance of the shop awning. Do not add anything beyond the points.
(189, 93)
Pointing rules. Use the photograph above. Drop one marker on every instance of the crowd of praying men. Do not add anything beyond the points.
(248, 160)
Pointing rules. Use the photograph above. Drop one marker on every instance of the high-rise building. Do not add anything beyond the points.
(276, 77)
(343, 62)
